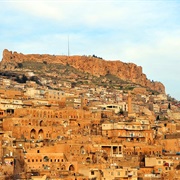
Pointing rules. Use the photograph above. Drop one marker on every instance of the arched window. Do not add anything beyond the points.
(33, 134)
(82, 150)
(40, 134)
(45, 159)
(41, 123)
(71, 168)
(88, 160)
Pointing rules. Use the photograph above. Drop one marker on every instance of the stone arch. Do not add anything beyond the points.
(41, 123)
(41, 134)
(71, 167)
(33, 134)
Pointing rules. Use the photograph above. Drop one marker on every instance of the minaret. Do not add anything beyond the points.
(129, 103)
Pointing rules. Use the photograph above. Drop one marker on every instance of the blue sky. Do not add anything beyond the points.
(146, 33)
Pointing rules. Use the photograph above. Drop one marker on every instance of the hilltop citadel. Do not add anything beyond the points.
(68, 119)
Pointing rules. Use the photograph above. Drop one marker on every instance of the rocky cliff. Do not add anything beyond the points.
(95, 66)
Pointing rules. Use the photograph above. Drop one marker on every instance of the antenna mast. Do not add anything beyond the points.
(68, 45)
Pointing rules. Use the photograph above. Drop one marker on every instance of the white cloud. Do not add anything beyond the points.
(109, 14)
(38, 9)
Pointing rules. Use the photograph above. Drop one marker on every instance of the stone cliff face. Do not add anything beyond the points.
(94, 66)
